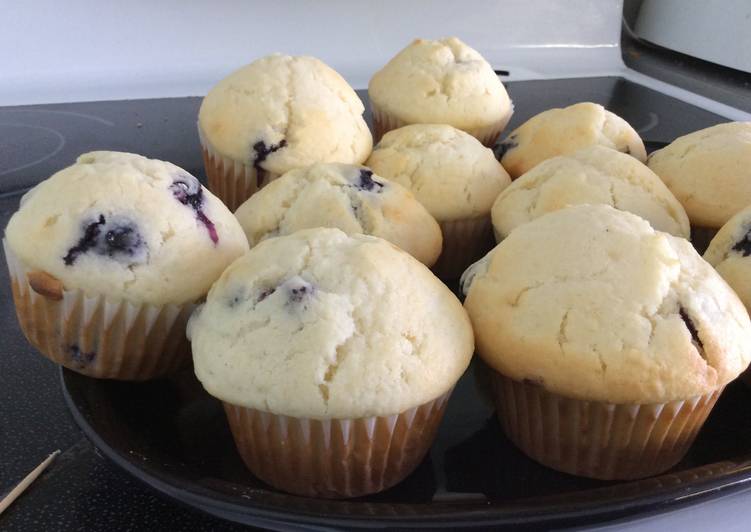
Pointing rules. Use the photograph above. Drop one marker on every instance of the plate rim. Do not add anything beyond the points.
(664, 500)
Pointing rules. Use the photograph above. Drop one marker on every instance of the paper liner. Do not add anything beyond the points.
(597, 439)
(100, 337)
(334, 458)
(231, 181)
(464, 242)
(701, 237)
(383, 122)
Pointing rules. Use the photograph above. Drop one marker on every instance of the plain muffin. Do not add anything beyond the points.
(335, 333)
(116, 230)
(278, 113)
(594, 175)
(440, 82)
(454, 176)
(709, 171)
(563, 131)
(349, 197)
(614, 330)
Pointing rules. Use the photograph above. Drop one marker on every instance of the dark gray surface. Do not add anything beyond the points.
(36, 141)
(81, 490)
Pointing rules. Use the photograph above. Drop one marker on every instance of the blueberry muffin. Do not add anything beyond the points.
(730, 253)
(709, 171)
(107, 259)
(591, 175)
(455, 177)
(345, 196)
(278, 113)
(440, 82)
(334, 353)
(609, 342)
(563, 131)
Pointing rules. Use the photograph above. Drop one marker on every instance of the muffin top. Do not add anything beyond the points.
(591, 175)
(594, 304)
(345, 196)
(709, 171)
(441, 82)
(563, 131)
(282, 112)
(127, 227)
(323, 325)
(730, 253)
(449, 171)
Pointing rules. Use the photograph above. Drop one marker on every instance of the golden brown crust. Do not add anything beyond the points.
(46, 285)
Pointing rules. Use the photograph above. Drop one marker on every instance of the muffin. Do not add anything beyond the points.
(455, 177)
(729, 253)
(596, 175)
(278, 113)
(440, 82)
(334, 356)
(107, 259)
(345, 196)
(609, 342)
(563, 131)
(709, 171)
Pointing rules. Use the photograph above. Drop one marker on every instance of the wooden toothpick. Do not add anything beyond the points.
(26, 482)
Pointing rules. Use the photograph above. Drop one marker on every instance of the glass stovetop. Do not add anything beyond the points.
(83, 490)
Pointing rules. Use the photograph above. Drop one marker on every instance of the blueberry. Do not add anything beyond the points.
(241, 296)
(89, 239)
(366, 181)
(691, 328)
(187, 190)
(262, 151)
(299, 290)
(123, 239)
(744, 245)
(266, 293)
(117, 239)
(504, 147)
(79, 358)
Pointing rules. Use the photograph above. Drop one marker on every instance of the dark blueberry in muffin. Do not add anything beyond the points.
(188, 191)
(79, 358)
(691, 328)
(366, 181)
(261, 151)
(502, 148)
(743, 246)
(117, 239)
(241, 296)
(299, 290)
(266, 293)
(121, 239)
(89, 239)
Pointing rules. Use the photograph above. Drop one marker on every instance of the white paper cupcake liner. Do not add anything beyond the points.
(464, 242)
(597, 439)
(334, 458)
(97, 336)
(231, 181)
(383, 122)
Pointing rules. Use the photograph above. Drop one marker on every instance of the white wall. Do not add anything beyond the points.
(77, 50)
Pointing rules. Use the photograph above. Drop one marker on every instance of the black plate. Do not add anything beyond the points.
(174, 437)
